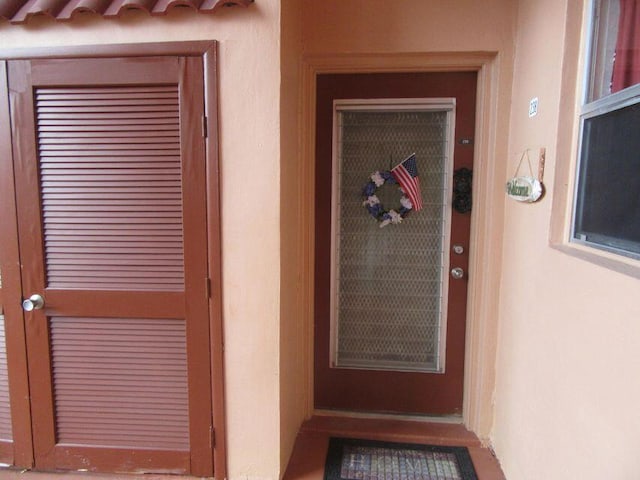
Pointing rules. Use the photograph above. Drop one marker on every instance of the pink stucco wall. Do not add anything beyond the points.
(249, 66)
(568, 358)
(566, 331)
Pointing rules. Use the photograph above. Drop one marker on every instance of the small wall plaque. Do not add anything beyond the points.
(524, 189)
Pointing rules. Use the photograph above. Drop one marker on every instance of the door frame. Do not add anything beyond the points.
(207, 50)
(486, 217)
(20, 451)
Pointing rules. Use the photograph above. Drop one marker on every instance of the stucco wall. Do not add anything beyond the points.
(567, 367)
(567, 371)
(568, 361)
(293, 394)
(369, 26)
(250, 161)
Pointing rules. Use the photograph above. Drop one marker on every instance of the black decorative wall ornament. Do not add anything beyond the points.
(462, 178)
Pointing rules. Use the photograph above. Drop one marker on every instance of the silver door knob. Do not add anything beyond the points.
(457, 273)
(34, 302)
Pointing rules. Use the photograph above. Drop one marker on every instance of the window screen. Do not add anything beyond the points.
(607, 206)
(608, 201)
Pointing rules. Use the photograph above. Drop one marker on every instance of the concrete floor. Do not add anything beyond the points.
(309, 454)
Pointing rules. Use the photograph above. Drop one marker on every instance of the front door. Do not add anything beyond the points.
(391, 277)
(110, 177)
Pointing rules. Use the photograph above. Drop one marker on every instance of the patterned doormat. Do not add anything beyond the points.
(350, 459)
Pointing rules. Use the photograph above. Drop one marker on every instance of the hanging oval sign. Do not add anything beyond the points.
(524, 189)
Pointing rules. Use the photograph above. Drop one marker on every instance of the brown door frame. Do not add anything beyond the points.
(478, 408)
(207, 50)
(20, 451)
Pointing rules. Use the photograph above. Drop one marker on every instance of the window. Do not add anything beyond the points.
(607, 198)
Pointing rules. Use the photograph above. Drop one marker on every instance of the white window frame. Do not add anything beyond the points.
(592, 109)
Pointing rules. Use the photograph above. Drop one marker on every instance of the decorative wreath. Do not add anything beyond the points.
(372, 202)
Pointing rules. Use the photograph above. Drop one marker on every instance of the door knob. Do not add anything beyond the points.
(34, 302)
(457, 273)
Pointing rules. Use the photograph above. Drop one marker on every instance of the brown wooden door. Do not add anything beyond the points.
(111, 209)
(397, 386)
(16, 446)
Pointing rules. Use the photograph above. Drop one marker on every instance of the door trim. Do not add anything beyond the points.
(20, 451)
(207, 50)
(486, 219)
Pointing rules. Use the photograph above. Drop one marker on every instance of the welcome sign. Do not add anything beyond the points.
(524, 189)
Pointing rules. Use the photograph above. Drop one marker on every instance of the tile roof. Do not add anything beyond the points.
(19, 11)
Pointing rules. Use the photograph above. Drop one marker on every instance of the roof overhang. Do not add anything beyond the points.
(19, 11)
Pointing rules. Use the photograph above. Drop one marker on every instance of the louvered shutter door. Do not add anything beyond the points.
(119, 173)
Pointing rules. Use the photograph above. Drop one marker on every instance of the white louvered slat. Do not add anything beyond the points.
(110, 175)
(120, 382)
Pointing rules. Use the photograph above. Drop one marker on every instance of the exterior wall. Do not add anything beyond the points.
(567, 363)
(249, 53)
(567, 370)
(375, 26)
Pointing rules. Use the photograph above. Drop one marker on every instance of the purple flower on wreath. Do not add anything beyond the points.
(374, 210)
(388, 178)
(372, 202)
(369, 189)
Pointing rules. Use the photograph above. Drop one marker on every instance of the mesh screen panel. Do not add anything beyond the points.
(5, 407)
(389, 280)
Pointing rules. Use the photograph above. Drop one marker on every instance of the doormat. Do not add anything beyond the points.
(351, 459)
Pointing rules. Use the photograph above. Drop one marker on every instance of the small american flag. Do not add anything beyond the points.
(406, 174)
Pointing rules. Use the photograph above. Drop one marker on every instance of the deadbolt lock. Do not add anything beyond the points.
(457, 273)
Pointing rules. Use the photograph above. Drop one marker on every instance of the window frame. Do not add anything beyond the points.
(589, 110)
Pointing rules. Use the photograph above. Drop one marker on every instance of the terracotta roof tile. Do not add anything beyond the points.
(19, 11)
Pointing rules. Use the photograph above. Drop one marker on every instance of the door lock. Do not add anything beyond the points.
(457, 273)
(34, 302)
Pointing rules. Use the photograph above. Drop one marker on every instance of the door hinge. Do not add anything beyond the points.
(205, 127)
(212, 431)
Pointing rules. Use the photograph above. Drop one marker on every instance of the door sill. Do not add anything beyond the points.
(448, 419)
(309, 455)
